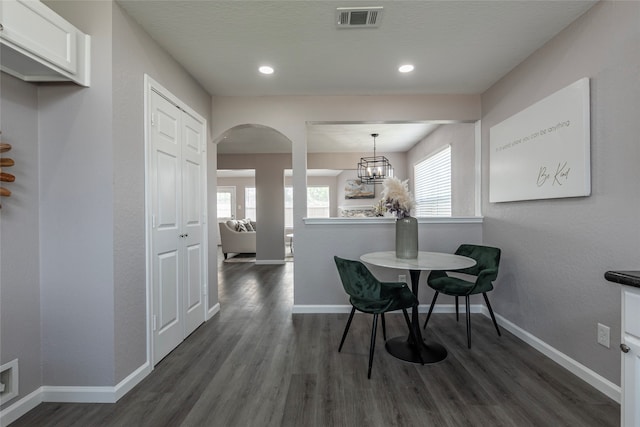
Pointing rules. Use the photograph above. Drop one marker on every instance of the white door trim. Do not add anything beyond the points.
(150, 85)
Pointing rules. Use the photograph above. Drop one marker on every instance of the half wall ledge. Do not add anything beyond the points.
(391, 220)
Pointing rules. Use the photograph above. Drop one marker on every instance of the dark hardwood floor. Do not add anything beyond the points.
(256, 364)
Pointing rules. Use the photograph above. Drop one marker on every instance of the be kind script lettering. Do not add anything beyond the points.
(557, 177)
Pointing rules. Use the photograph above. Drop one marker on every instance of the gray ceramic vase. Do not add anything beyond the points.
(407, 238)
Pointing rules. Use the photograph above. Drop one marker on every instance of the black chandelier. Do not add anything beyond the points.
(374, 169)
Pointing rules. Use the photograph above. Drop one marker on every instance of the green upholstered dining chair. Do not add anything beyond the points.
(368, 295)
(485, 270)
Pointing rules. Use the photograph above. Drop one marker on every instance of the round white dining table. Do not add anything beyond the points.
(404, 347)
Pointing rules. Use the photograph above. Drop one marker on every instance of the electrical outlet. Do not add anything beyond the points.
(603, 335)
(402, 278)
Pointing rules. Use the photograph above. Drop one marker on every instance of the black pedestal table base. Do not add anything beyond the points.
(404, 349)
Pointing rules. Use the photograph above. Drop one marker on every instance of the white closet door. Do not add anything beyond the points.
(166, 184)
(193, 137)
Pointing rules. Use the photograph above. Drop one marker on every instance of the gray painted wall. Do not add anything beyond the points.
(270, 207)
(19, 230)
(556, 251)
(76, 214)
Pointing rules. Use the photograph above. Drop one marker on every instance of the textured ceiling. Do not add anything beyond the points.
(457, 47)
(460, 47)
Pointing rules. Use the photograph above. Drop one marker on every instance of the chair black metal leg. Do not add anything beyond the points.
(412, 333)
(486, 299)
(373, 343)
(346, 329)
(468, 321)
(457, 310)
(433, 302)
(384, 327)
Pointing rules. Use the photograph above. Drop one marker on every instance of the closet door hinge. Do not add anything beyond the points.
(155, 322)
(153, 119)
(204, 289)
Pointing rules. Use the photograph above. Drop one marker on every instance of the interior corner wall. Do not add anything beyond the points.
(134, 54)
(555, 252)
(76, 213)
(20, 320)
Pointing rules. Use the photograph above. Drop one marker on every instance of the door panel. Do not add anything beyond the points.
(193, 202)
(631, 382)
(194, 268)
(169, 287)
(169, 330)
(192, 191)
(166, 202)
(167, 194)
(178, 205)
(193, 136)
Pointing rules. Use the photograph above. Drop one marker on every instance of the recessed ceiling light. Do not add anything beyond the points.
(265, 69)
(407, 68)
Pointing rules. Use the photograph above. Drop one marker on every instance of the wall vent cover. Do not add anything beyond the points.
(358, 17)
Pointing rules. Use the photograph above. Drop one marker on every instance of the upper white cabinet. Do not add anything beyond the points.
(38, 45)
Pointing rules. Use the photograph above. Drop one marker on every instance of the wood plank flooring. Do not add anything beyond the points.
(256, 364)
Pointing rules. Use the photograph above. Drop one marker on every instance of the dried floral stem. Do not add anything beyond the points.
(397, 198)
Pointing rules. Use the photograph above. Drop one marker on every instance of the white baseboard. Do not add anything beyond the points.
(80, 394)
(450, 308)
(125, 386)
(21, 407)
(269, 261)
(346, 308)
(591, 377)
(213, 311)
(73, 394)
(320, 309)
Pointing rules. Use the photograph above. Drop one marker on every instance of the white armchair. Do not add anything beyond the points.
(236, 241)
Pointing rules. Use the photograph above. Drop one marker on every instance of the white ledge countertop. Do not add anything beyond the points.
(392, 220)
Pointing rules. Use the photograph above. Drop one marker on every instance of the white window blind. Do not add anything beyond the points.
(433, 184)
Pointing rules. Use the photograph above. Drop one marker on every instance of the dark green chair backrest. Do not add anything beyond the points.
(357, 280)
(487, 262)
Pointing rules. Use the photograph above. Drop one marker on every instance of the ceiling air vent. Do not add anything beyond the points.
(359, 17)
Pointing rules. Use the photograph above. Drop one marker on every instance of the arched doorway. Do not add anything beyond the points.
(263, 154)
